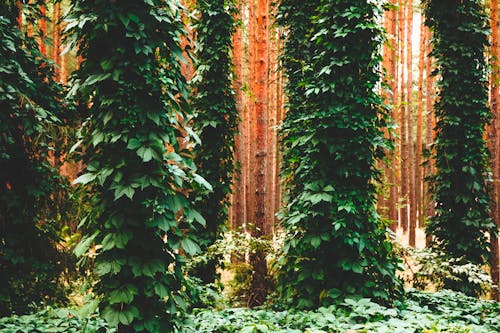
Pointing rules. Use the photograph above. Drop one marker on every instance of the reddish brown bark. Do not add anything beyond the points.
(494, 145)
(393, 74)
(56, 41)
(43, 30)
(409, 118)
(20, 14)
(258, 28)
(383, 197)
(402, 120)
(420, 110)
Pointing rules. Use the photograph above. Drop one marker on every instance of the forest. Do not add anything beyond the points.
(250, 166)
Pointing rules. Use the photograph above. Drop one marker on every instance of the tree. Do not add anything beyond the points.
(335, 245)
(494, 145)
(216, 119)
(138, 158)
(459, 185)
(30, 103)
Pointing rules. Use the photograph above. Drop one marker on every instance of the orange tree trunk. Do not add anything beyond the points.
(402, 118)
(259, 31)
(409, 127)
(420, 110)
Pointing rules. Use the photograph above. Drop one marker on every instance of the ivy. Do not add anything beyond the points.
(29, 103)
(460, 184)
(331, 137)
(216, 118)
(138, 158)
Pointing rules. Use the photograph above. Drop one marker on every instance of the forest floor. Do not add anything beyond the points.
(421, 312)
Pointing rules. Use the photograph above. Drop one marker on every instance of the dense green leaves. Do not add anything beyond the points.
(331, 137)
(216, 118)
(459, 185)
(422, 312)
(138, 164)
(29, 104)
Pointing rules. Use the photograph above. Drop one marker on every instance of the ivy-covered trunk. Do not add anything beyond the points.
(138, 158)
(336, 244)
(29, 103)
(462, 202)
(216, 119)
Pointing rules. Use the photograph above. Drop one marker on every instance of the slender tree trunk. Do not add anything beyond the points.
(238, 195)
(494, 145)
(270, 38)
(43, 29)
(56, 9)
(383, 201)
(429, 127)
(259, 32)
(402, 120)
(410, 146)
(20, 14)
(393, 73)
(419, 171)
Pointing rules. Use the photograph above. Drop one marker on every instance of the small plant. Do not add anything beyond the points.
(232, 253)
(427, 269)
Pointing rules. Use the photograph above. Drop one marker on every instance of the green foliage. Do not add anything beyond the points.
(216, 118)
(460, 183)
(331, 137)
(444, 311)
(55, 321)
(138, 163)
(430, 270)
(29, 103)
(231, 251)
(439, 312)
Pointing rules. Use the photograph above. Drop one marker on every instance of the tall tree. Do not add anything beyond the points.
(138, 163)
(393, 77)
(216, 118)
(494, 144)
(403, 115)
(332, 135)
(257, 198)
(429, 125)
(409, 126)
(419, 175)
(459, 185)
(30, 102)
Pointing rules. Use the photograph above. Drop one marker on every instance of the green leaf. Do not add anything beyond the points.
(190, 246)
(85, 178)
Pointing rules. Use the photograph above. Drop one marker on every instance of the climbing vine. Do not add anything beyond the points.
(29, 103)
(216, 118)
(138, 158)
(332, 135)
(460, 184)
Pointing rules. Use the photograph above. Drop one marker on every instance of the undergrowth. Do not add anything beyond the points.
(442, 311)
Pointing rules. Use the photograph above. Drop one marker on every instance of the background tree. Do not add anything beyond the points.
(462, 215)
(336, 245)
(137, 160)
(216, 119)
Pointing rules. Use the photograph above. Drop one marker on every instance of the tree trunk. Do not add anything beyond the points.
(419, 172)
(393, 74)
(258, 29)
(238, 193)
(494, 142)
(56, 15)
(410, 145)
(43, 29)
(429, 127)
(402, 121)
